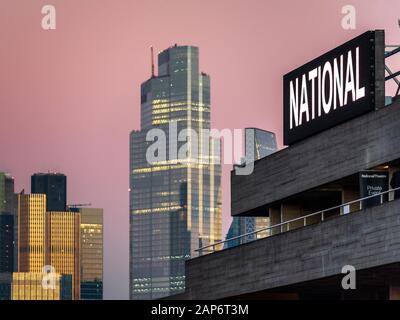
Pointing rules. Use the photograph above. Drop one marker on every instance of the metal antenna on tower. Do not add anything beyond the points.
(152, 62)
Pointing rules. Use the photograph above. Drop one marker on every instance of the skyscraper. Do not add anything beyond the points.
(54, 186)
(6, 243)
(6, 254)
(7, 196)
(63, 246)
(258, 144)
(91, 253)
(31, 232)
(174, 203)
(8, 229)
(47, 239)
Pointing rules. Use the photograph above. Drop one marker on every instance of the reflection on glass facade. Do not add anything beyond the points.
(91, 253)
(174, 205)
(47, 239)
(261, 141)
(31, 235)
(63, 246)
(29, 286)
(258, 144)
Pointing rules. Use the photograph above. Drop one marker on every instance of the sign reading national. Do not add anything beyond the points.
(331, 89)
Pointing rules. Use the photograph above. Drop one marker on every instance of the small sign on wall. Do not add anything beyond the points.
(372, 183)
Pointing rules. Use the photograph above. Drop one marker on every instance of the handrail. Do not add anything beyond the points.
(321, 212)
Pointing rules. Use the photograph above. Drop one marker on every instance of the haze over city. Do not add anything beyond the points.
(70, 97)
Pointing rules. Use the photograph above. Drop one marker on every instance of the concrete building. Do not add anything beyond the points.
(328, 208)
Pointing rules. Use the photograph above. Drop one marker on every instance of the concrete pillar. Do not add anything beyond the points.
(392, 169)
(350, 194)
(290, 212)
(275, 218)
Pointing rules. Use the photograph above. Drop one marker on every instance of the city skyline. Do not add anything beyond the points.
(80, 83)
(49, 250)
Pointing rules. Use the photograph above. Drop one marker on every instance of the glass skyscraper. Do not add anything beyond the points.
(47, 239)
(8, 234)
(258, 144)
(54, 186)
(174, 203)
(91, 253)
(6, 243)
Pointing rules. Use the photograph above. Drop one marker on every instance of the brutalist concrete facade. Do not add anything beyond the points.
(304, 258)
(367, 239)
(360, 144)
(286, 262)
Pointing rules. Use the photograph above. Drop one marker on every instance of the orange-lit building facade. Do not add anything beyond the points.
(31, 235)
(91, 249)
(46, 239)
(63, 245)
(29, 286)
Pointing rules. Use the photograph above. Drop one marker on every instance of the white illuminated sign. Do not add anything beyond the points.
(334, 88)
(332, 85)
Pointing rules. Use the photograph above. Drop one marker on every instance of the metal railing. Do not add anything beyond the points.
(322, 213)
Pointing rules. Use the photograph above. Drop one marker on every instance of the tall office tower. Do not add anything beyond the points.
(63, 246)
(48, 239)
(258, 144)
(31, 232)
(6, 254)
(174, 204)
(91, 253)
(7, 234)
(54, 186)
(8, 206)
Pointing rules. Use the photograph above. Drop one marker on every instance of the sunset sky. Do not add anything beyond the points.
(69, 97)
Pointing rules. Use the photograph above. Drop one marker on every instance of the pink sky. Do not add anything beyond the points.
(70, 97)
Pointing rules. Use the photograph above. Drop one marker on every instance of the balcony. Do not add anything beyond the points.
(307, 259)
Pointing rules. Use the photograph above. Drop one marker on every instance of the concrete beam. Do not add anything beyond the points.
(366, 239)
(339, 152)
